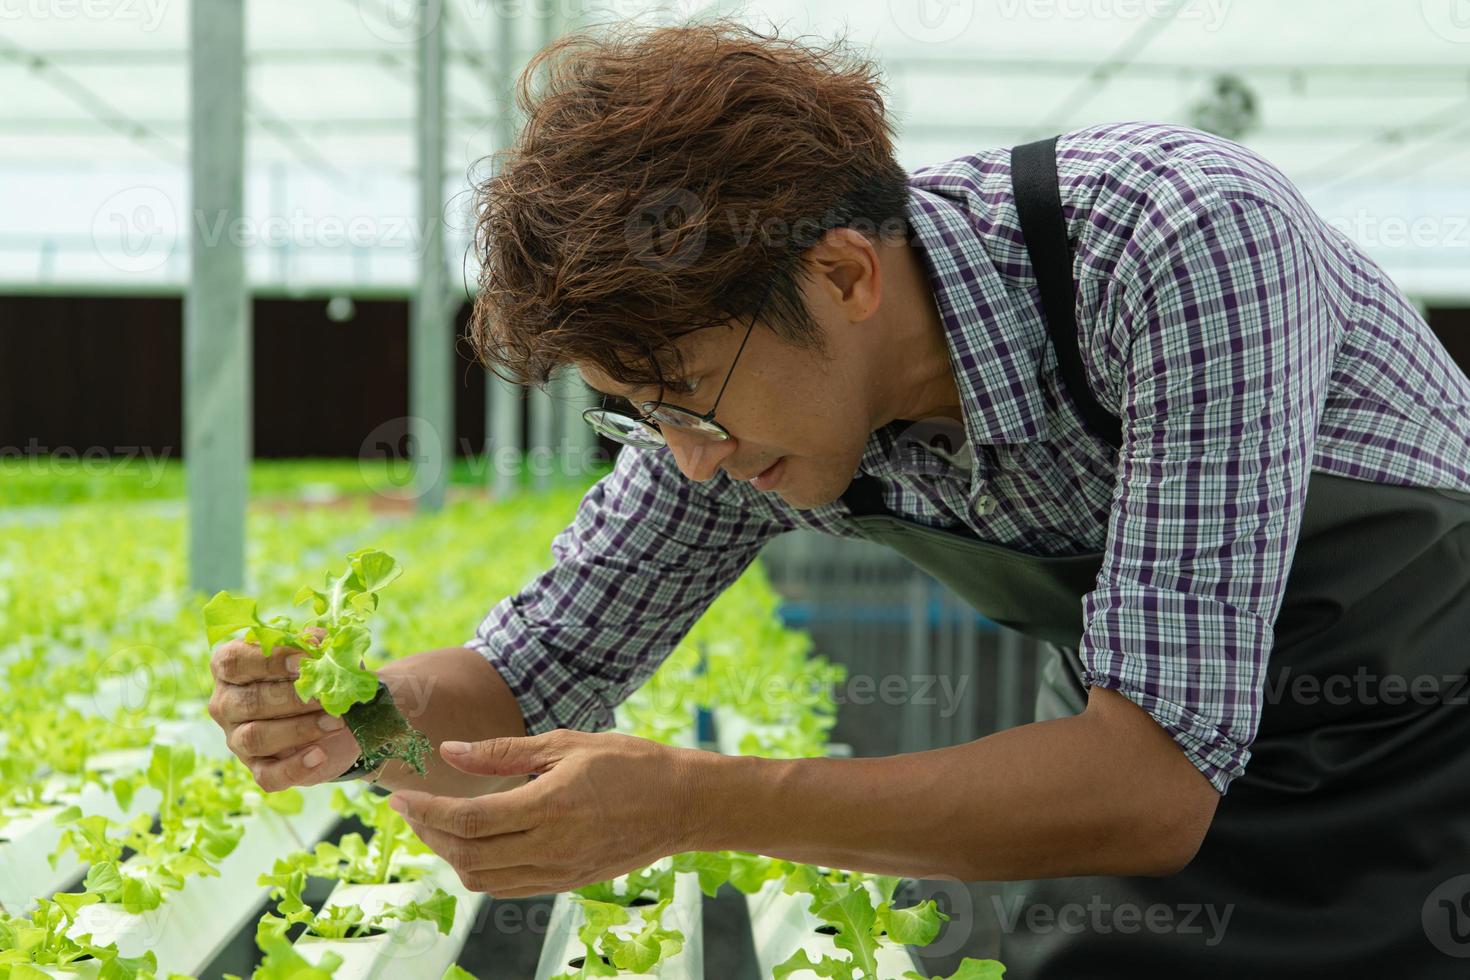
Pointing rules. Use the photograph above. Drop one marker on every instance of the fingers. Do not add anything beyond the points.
(467, 856)
(235, 704)
(533, 891)
(238, 662)
(481, 816)
(523, 881)
(515, 756)
(327, 759)
(278, 736)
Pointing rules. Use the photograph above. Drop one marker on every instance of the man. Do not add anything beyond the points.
(1210, 452)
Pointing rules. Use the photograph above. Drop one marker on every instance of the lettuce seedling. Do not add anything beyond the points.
(351, 921)
(36, 946)
(648, 946)
(841, 899)
(604, 906)
(283, 962)
(333, 643)
(745, 872)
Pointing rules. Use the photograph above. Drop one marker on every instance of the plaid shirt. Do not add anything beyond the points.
(1242, 341)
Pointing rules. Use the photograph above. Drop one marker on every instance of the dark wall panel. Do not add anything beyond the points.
(85, 372)
(322, 387)
(1452, 325)
(80, 372)
(469, 392)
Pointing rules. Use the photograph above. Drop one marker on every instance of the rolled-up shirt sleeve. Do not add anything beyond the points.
(1228, 344)
(646, 554)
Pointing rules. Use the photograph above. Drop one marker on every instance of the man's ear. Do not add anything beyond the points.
(846, 273)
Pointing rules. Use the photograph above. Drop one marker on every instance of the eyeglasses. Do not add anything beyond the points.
(645, 431)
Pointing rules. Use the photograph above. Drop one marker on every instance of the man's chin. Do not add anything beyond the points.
(799, 495)
(796, 502)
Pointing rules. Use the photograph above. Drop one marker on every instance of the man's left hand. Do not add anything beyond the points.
(602, 804)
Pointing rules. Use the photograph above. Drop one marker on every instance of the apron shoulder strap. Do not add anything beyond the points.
(1039, 205)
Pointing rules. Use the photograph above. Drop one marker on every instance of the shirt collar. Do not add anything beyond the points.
(997, 341)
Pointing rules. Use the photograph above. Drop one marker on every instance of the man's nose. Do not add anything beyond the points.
(698, 458)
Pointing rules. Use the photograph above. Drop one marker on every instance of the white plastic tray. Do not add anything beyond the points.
(32, 834)
(405, 949)
(193, 924)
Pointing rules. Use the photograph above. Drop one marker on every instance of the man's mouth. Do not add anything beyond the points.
(767, 478)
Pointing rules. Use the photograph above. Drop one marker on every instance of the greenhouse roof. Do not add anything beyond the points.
(1364, 103)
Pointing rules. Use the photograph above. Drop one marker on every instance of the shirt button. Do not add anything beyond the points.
(983, 505)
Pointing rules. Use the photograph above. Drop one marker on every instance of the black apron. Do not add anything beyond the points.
(1337, 854)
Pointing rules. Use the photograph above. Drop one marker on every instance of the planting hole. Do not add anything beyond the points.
(641, 900)
(367, 933)
(826, 930)
(576, 962)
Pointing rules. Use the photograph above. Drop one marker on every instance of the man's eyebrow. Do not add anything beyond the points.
(607, 394)
(672, 383)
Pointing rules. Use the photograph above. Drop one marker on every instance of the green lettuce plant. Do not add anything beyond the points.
(333, 644)
(28, 943)
(350, 921)
(606, 953)
(844, 902)
(197, 827)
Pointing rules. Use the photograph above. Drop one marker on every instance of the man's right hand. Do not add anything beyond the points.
(285, 741)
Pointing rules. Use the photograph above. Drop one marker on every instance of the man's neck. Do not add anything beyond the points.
(913, 372)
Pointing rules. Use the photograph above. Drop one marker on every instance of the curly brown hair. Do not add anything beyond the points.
(665, 178)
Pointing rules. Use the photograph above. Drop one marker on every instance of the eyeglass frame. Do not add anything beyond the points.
(706, 418)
